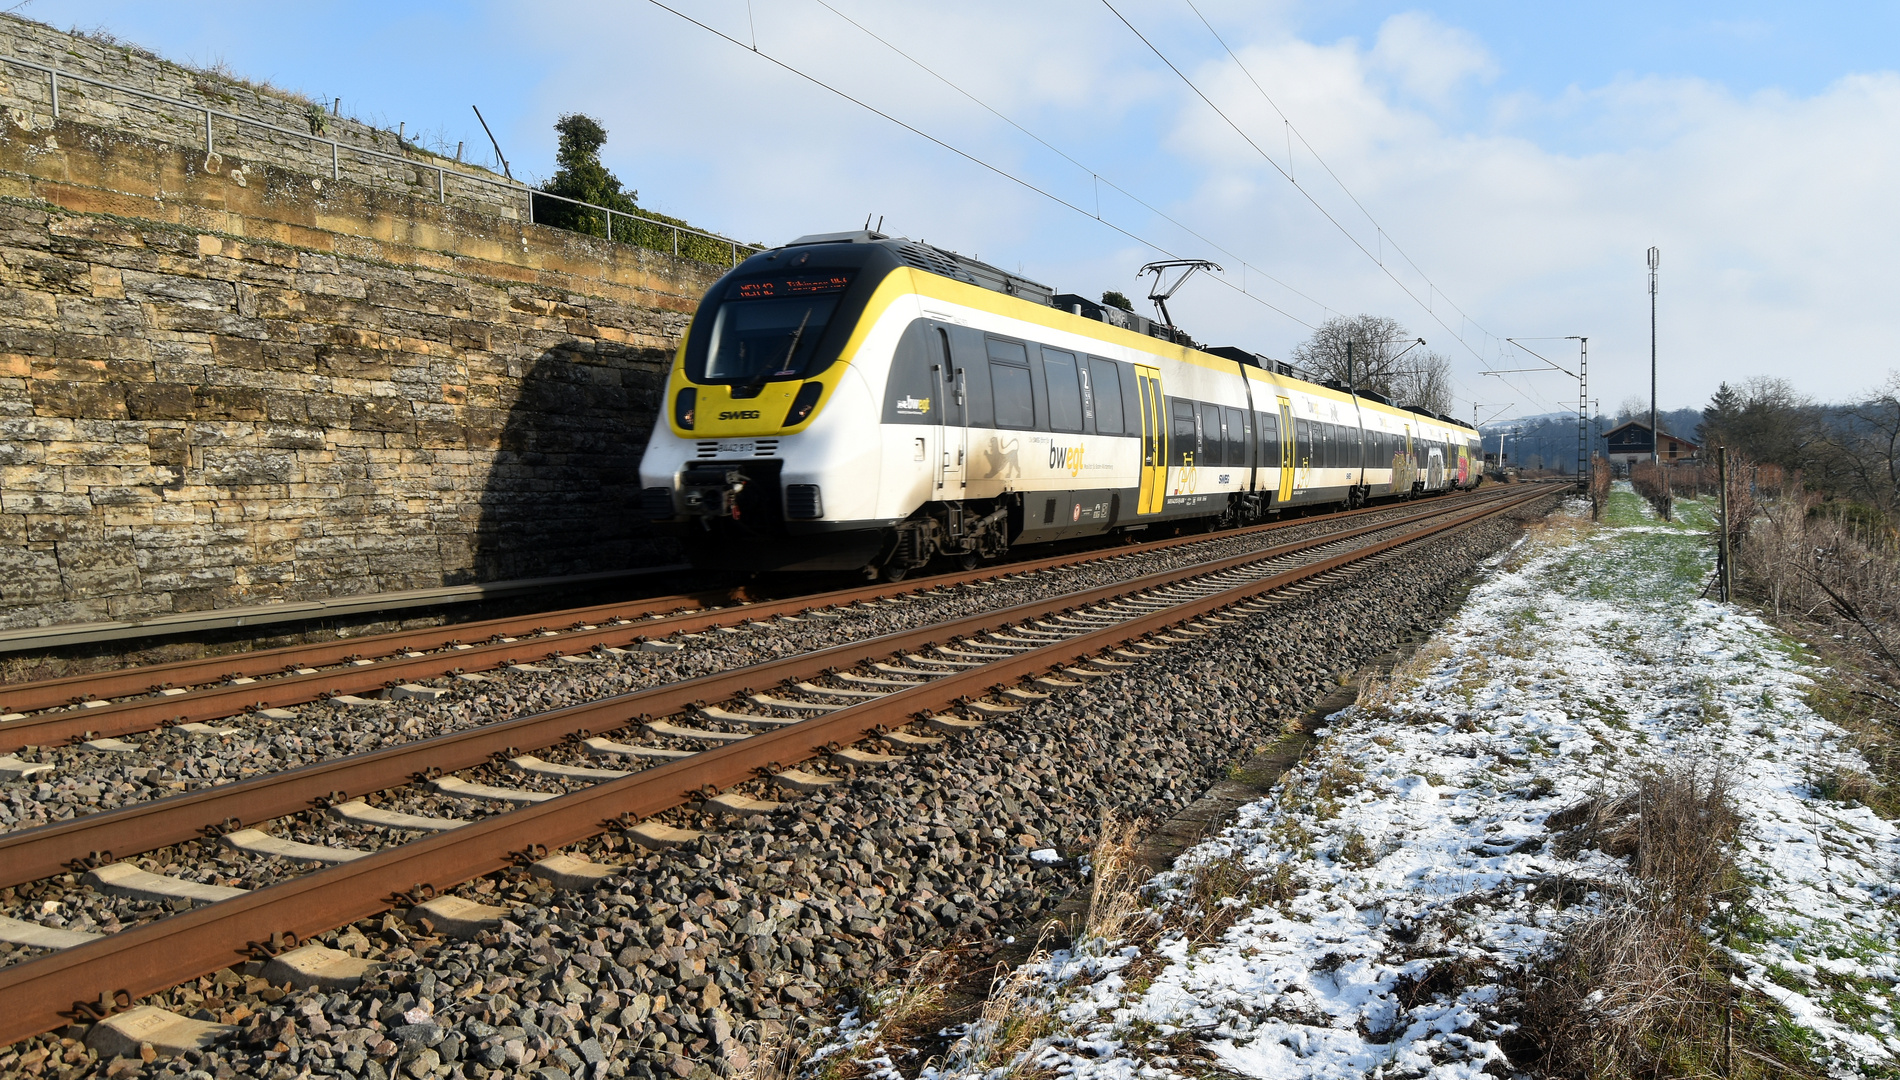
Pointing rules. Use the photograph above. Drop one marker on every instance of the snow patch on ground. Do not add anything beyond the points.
(1405, 865)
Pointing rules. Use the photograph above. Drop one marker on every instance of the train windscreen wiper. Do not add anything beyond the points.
(757, 382)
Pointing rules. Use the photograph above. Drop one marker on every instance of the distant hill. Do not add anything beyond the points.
(1549, 441)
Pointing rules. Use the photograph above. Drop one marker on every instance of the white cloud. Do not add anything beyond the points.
(1431, 60)
(1774, 211)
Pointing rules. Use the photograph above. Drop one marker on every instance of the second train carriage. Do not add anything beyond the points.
(856, 401)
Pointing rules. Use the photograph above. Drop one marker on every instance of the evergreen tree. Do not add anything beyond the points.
(1112, 298)
(1719, 414)
(583, 178)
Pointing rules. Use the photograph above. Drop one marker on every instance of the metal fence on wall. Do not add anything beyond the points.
(637, 227)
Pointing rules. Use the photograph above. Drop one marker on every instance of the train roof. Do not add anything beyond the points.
(931, 259)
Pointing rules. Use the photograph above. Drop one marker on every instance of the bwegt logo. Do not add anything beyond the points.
(1066, 457)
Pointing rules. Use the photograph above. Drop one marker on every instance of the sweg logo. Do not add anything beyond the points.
(1066, 457)
(739, 414)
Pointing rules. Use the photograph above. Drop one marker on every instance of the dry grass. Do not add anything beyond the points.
(1379, 692)
(900, 1008)
(1835, 584)
(1218, 892)
(1639, 990)
(1652, 483)
(781, 1054)
(1116, 909)
(1016, 1015)
(1599, 486)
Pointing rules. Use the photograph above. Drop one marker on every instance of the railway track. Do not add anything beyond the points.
(111, 705)
(766, 724)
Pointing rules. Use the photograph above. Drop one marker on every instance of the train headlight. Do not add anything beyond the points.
(804, 403)
(683, 408)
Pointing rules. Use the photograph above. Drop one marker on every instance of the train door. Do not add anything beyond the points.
(953, 420)
(1250, 454)
(1286, 449)
(1154, 447)
(1411, 462)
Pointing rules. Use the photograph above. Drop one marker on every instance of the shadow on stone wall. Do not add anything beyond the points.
(563, 492)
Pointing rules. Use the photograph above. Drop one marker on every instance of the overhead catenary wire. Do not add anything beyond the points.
(1291, 131)
(1095, 215)
(1376, 258)
(964, 154)
(1094, 175)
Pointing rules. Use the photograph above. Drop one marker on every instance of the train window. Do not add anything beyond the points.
(1236, 437)
(1269, 427)
(1007, 352)
(1210, 434)
(1065, 391)
(1186, 431)
(1009, 384)
(910, 388)
(1106, 387)
(1131, 400)
(1088, 396)
(1302, 444)
(967, 346)
(1015, 408)
(769, 327)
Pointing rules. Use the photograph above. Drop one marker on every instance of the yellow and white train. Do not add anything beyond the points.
(856, 401)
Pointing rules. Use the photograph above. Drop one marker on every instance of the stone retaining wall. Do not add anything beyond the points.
(241, 383)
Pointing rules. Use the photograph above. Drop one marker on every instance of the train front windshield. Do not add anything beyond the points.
(769, 327)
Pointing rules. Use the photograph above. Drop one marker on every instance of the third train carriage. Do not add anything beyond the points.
(854, 401)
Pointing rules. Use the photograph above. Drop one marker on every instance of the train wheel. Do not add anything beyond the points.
(896, 571)
(967, 561)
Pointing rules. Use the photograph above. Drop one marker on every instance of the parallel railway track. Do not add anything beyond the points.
(133, 700)
(901, 678)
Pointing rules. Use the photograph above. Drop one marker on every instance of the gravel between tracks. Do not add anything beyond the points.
(677, 968)
(170, 761)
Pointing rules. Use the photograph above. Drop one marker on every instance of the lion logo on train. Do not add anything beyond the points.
(1004, 459)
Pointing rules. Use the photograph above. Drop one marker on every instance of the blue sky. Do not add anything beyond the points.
(1522, 155)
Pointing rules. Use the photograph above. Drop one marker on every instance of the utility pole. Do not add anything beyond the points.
(1723, 571)
(1655, 440)
(1583, 409)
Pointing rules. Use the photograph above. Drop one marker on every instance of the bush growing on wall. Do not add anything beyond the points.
(582, 177)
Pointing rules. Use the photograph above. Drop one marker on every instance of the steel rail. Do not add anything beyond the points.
(219, 701)
(40, 994)
(72, 689)
(33, 854)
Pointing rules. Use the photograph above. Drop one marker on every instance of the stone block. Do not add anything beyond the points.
(56, 397)
(172, 289)
(230, 467)
(381, 414)
(457, 917)
(44, 502)
(124, 1034)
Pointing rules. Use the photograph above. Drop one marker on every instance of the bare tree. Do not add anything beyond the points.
(1381, 361)
(1766, 420)
(1861, 448)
